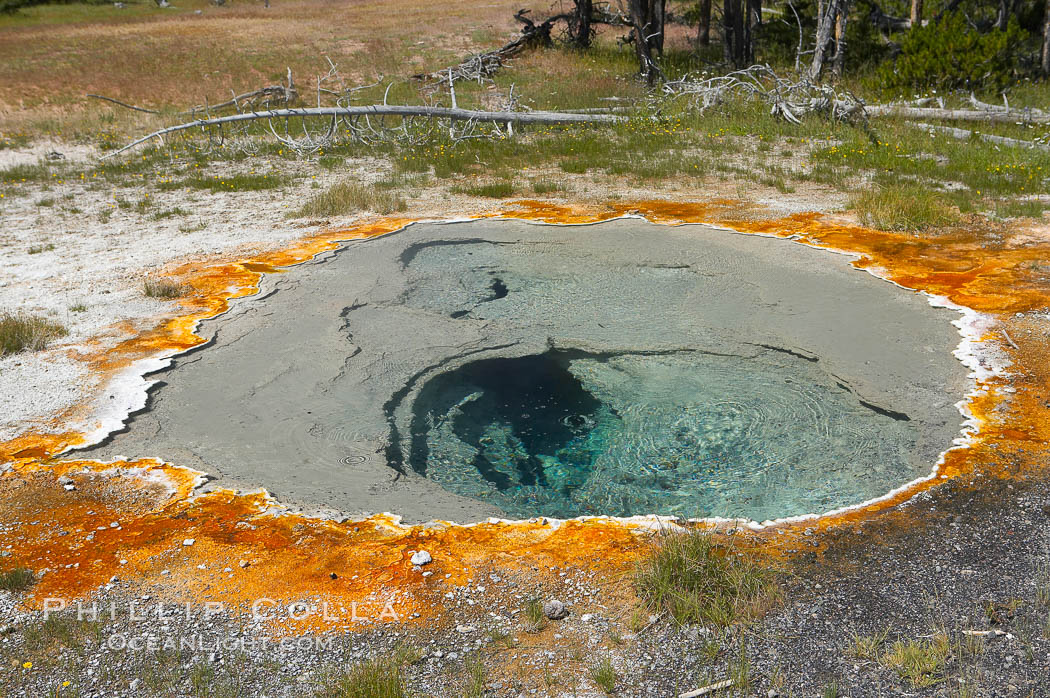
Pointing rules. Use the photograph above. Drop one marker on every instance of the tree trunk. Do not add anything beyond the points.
(916, 13)
(838, 62)
(827, 26)
(703, 34)
(647, 18)
(1045, 57)
(754, 8)
(736, 33)
(580, 23)
(1004, 15)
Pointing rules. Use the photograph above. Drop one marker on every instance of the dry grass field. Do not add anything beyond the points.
(51, 56)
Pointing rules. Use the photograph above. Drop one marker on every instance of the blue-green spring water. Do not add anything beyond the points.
(691, 434)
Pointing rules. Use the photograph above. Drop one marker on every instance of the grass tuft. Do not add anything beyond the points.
(920, 662)
(868, 646)
(693, 581)
(17, 579)
(535, 619)
(375, 678)
(604, 674)
(164, 288)
(493, 190)
(904, 207)
(21, 332)
(475, 675)
(349, 197)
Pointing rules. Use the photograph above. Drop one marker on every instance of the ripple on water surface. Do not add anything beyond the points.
(691, 434)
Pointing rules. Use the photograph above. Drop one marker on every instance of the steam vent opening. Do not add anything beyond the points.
(497, 368)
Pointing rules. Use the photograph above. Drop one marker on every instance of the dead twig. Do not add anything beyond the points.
(123, 104)
(710, 688)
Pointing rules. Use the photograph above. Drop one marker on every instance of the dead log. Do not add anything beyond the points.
(965, 135)
(992, 117)
(887, 23)
(496, 117)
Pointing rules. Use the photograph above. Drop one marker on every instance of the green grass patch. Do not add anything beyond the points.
(234, 182)
(168, 213)
(17, 579)
(37, 249)
(535, 618)
(349, 197)
(25, 173)
(474, 669)
(604, 674)
(164, 288)
(1020, 209)
(61, 630)
(547, 186)
(694, 581)
(920, 662)
(23, 332)
(376, 678)
(906, 207)
(492, 190)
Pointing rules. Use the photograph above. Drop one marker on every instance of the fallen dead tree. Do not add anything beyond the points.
(381, 110)
(484, 65)
(793, 98)
(973, 115)
(787, 98)
(965, 135)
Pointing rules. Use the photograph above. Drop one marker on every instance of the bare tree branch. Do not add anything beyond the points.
(126, 106)
(467, 115)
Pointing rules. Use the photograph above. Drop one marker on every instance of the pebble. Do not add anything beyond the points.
(189, 541)
(420, 558)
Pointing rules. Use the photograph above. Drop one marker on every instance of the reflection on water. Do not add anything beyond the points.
(565, 434)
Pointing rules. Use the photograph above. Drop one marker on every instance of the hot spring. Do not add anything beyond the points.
(497, 368)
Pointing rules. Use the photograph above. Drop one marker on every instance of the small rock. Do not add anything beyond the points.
(243, 563)
(586, 617)
(465, 629)
(189, 541)
(69, 488)
(135, 684)
(421, 557)
(555, 609)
